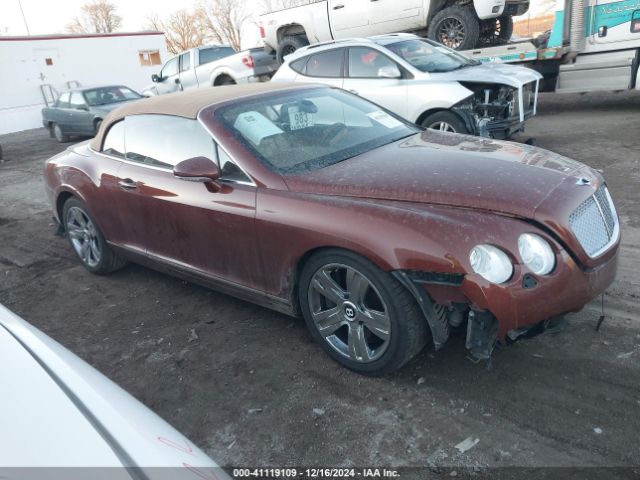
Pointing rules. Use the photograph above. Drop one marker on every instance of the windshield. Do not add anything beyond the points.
(107, 95)
(311, 129)
(430, 57)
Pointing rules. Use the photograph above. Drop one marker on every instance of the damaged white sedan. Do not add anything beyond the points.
(422, 81)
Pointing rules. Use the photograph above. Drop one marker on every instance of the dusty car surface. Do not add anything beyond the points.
(422, 81)
(62, 413)
(310, 200)
(79, 112)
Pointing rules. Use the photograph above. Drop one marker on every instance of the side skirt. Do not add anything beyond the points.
(191, 274)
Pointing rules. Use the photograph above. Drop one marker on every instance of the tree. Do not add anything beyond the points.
(222, 20)
(182, 30)
(96, 16)
(273, 5)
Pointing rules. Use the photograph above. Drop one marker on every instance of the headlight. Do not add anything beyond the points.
(536, 253)
(491, 263)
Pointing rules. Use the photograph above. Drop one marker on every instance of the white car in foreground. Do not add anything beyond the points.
(61, 417)
(422, 81)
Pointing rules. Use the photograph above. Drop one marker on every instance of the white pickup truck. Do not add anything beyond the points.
(211, 66)
(458, 24)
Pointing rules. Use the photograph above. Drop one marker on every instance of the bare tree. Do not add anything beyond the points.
(222, 20)
(273, 5)
(96, 16)
(182, 30)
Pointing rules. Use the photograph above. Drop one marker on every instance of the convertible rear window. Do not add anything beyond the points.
(311, 129)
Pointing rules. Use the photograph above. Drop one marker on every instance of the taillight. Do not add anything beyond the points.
(248, 61)
(262, 32)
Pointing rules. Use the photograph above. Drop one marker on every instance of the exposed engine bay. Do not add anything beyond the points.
(493, 110)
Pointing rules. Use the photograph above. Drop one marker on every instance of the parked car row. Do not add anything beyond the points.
(313, 201)
(420, 80)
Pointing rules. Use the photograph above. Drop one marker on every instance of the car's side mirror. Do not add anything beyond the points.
(155, 78)
(197, 169)
(390, 71)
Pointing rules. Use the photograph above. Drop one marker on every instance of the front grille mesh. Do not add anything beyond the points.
(595, 222)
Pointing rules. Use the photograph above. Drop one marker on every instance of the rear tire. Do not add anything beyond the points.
(360, 315)
(97, 125)
(288, 45)
(225, 80)
(456, 27)
(59, 135)
(444, 121)
(495, 31)
(87, 240)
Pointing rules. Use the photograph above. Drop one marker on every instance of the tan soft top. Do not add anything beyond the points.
(184, 104)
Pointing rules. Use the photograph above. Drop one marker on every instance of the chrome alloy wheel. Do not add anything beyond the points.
(451, 33)
(442, 126)
(83, 236)
(349, 313)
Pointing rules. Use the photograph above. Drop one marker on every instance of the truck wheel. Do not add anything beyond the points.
(445, 122)
(224, 80)
(456, 27)
(288, 45)
(495, 31)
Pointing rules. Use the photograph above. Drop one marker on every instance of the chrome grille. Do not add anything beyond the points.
(595, 223)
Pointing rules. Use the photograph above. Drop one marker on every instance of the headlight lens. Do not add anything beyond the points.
(536, 253)
(491, 263)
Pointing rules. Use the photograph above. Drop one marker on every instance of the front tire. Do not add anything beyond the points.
(456, 27)
(444, 121)
(288, 45)
(360, 315)
(87, 240)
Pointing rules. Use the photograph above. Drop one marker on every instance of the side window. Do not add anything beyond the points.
(208, 55)
(228, 169)
(63, 101)
(185, 63)
(326, 64)
(114, 141)
(170, 68)
(164, 141)
(300, 65)
(366, 62)
(77, 101)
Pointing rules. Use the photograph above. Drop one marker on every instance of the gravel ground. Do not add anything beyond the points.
(250, 387)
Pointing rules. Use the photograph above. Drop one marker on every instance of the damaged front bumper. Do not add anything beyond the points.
(497, 313)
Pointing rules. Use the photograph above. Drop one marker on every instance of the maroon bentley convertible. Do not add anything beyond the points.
(309, 200)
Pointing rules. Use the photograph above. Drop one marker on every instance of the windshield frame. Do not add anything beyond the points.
(322, 161)
(451, 54)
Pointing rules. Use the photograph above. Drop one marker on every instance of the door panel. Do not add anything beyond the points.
(618, 20)
(349, 18)
(189, 223)
(388, 16)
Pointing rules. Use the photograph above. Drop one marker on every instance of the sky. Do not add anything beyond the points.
(52, 16)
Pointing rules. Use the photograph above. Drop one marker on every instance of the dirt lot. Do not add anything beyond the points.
(243, 382)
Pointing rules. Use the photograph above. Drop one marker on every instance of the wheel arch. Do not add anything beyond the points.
(290, 30)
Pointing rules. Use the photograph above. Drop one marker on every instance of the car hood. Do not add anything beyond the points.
(492, 73)
(448, 169)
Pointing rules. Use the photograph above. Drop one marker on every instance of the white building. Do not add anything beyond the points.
(30, 64)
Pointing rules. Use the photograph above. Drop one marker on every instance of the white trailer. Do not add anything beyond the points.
(36, 67)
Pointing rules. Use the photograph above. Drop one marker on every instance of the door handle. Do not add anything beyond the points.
(128, 184)
(338, 7)
(355, 92)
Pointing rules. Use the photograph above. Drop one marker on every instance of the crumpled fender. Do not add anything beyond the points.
(431, 95)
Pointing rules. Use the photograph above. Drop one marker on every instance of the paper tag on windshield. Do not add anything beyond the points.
(255, 126)
(299, 120)
(385, 119)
